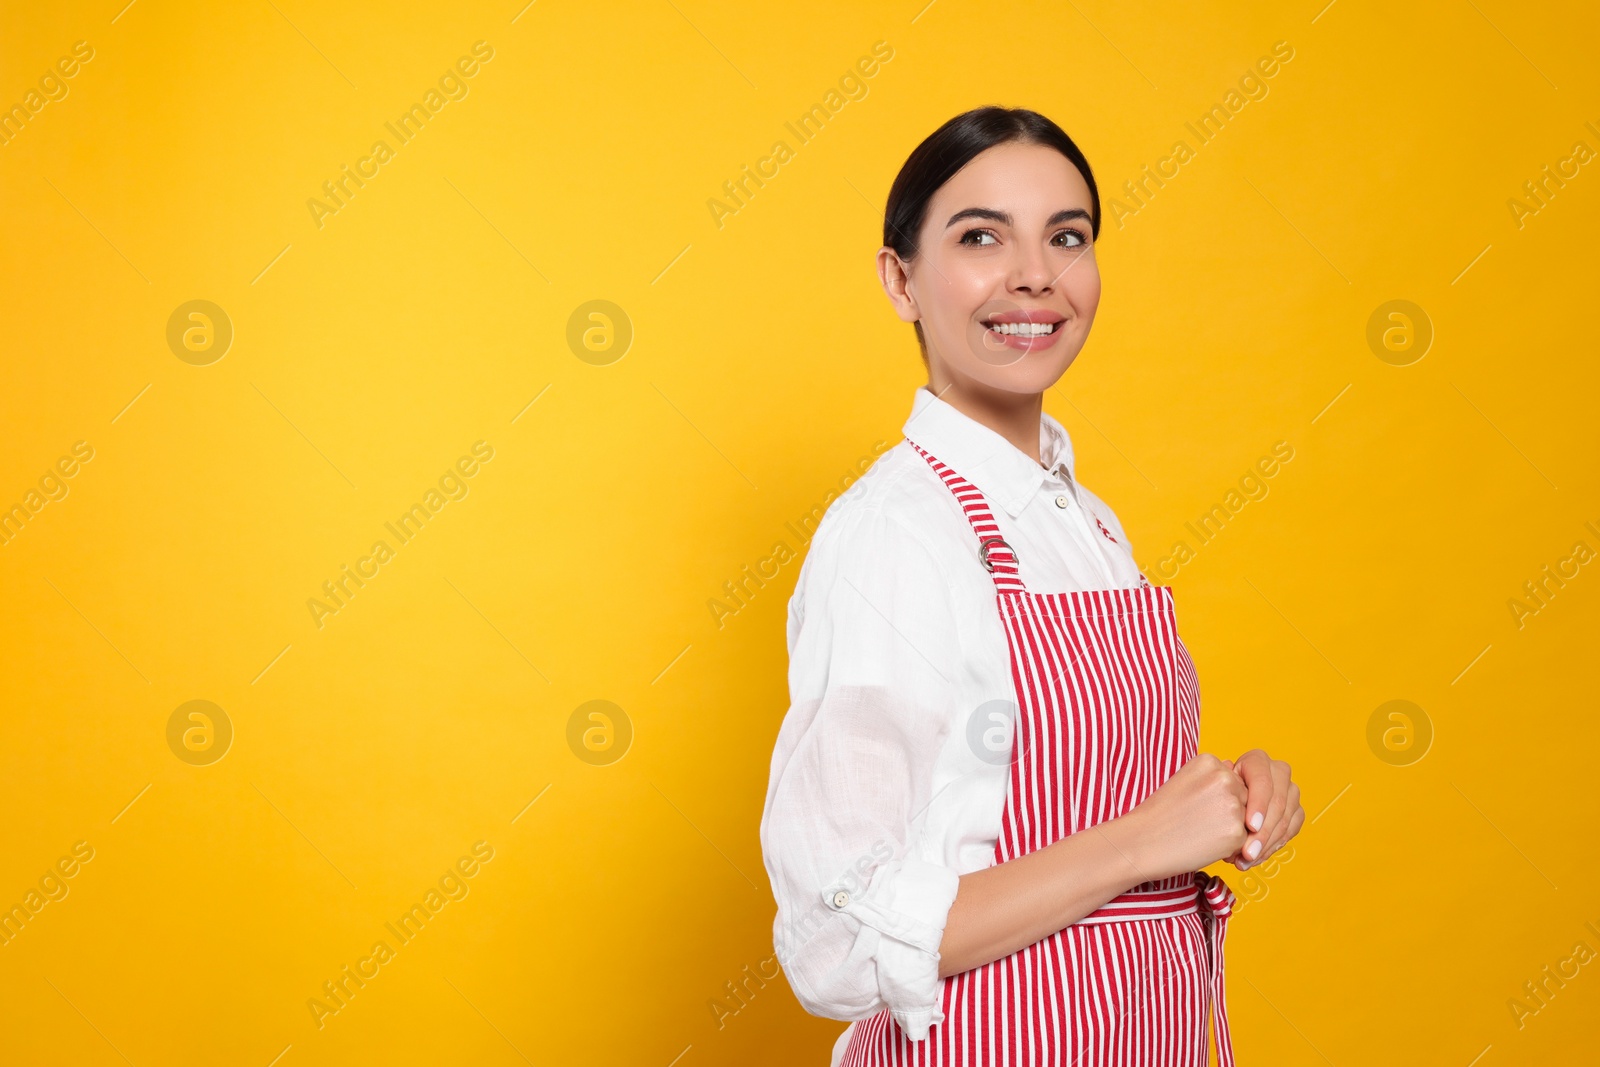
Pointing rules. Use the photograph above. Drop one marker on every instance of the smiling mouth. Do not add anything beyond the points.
(1022, 329)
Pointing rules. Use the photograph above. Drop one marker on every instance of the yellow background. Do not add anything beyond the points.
(370, 353)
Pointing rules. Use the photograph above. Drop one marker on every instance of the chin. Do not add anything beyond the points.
(1023, 376)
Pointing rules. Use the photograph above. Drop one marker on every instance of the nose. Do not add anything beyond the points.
(1032, 272)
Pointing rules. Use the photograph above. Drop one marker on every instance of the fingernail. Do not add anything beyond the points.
(1254, 850)
(1256, 820)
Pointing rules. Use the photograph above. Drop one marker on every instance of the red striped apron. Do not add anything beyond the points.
(1108, 708)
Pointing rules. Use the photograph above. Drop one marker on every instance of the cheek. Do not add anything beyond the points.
(1082, 284)
(964, 291)
(955, 295)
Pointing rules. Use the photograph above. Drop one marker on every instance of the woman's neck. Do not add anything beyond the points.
(1014, 416)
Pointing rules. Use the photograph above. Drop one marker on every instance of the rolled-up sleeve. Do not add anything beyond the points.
(862, 904)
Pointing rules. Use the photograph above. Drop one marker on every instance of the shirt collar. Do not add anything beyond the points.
(1002, 472)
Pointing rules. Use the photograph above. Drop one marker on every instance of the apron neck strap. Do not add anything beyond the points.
(993, 552)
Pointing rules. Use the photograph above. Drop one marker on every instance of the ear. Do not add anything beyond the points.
(892, 273)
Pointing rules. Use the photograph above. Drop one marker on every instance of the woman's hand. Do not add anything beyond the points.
(1195, 818)
(1273, 811)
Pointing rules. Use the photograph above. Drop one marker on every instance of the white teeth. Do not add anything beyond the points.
(1025, 329)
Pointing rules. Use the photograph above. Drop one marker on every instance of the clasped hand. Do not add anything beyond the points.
(1272, 812)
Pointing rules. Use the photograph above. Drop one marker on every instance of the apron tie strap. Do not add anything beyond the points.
(1217, 900)
(1213, 900)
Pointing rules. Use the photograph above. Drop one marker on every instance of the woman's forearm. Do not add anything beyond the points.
(1011, 905)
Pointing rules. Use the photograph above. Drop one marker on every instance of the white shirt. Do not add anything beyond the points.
(889, 773)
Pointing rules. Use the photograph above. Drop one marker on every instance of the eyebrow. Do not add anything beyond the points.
(1005, 216)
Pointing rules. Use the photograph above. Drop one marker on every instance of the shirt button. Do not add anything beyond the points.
(841, 898)
(1062, 501)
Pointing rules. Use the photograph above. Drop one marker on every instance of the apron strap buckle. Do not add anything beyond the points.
(988, 544)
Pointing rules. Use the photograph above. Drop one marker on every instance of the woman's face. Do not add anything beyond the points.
(1005, 241)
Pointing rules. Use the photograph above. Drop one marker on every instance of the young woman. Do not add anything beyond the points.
(987, 812)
